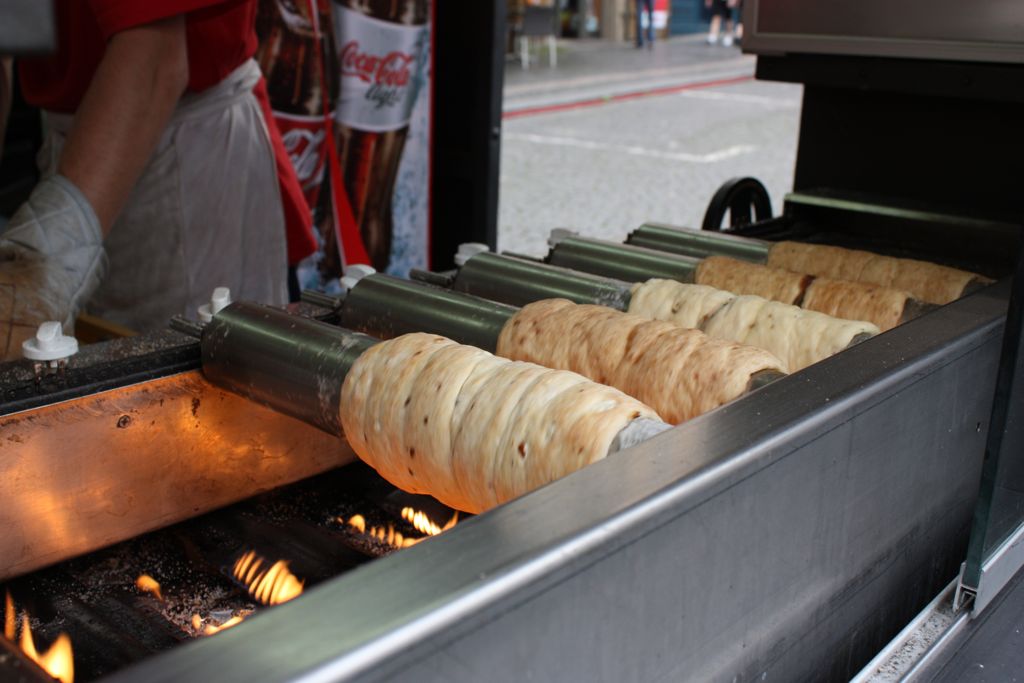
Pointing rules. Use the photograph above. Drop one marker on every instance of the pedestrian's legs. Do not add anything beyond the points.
(714, 28)
(650, 22)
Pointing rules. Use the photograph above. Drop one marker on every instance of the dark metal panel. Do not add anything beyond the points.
(961, 152)
(792, 533)
(469, 62)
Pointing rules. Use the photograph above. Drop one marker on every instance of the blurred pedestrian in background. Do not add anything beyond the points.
(721, 11)
(640, 6)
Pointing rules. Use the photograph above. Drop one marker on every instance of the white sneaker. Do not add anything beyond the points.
(727, 40)
(712, 39)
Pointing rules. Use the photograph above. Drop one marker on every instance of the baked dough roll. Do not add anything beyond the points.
(795, 336)
(679, 372)
(926, 281)
(684, 305)
(472, 430)
(741, 277)
(799, 337)
(883, 306)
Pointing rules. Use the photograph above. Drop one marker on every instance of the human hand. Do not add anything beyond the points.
(51, 261)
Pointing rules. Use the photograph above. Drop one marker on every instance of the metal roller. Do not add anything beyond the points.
(292, 364)
(519, 282)
(698, 243)
(387, 307)
(621, 261)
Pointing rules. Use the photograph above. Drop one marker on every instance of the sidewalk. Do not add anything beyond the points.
(594, 69)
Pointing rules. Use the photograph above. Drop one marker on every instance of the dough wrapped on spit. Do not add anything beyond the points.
(679, 372)
(883, 306)
(796, 336)
(743, 277)
(473, 430)
(928, 282)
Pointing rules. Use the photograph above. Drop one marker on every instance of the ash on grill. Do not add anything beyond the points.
(115, 618)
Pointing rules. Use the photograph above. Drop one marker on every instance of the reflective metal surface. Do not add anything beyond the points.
(386, 307)
(982, 30)
(82, 474)
(518, 282)
(698, 243)
(292, 364)
(621, 261)
(785, 536)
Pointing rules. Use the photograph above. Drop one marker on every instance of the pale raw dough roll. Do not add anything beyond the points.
(882, 306)
(679, 372)
(432, 416)
(684, 305)
(797, 336)
(925, 281)
(741, 277)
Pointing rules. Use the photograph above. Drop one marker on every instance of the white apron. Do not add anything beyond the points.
(206, 211)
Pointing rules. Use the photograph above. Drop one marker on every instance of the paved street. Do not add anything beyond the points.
(615, 136)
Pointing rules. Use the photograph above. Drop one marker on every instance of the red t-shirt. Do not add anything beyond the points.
(220, 35)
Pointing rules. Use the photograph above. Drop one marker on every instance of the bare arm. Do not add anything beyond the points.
(140, 79)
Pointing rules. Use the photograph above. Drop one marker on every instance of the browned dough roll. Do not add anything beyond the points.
(742, 277)
(679, 372)
(925, 281)
(473, 430)
(882, 306)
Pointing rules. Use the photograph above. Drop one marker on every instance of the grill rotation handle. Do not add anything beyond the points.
(291, 364)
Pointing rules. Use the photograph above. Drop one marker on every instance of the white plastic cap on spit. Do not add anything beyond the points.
(220, 298)
(559, 234)
(49, 344)
(354, 273)
(468, 250)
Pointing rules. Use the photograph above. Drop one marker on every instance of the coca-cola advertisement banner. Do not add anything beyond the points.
(349, 83)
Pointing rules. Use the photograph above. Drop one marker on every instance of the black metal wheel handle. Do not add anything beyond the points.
(738, 196)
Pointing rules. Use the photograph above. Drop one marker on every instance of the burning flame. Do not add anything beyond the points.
(396, 539)
(210, 629)
(270, 586)
(147, 584)
(393, 538)
(58, 661)
(424, 524)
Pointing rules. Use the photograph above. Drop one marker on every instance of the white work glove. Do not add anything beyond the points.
(51, 261)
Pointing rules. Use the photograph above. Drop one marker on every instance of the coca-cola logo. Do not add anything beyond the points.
(305, 148)
(388, 75)
(391, 69)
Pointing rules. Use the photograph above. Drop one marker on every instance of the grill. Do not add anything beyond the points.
(790, 533)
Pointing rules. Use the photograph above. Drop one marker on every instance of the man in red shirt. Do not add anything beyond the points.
(163, 175)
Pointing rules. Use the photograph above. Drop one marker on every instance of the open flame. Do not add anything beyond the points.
(424, 524)
(270, 586)
(147, 584)
(210, 629)
(58, 661)
(396, 539)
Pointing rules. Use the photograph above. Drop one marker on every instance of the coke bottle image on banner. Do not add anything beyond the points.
(290, 34)
(380, 50)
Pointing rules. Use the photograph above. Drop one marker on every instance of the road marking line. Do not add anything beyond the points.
(560, 141)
